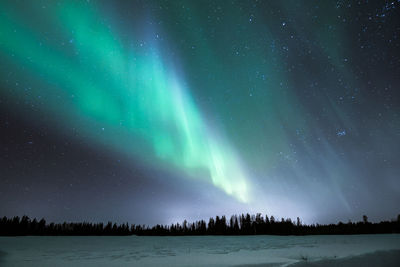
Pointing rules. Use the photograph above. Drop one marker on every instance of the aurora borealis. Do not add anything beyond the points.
(155, 111)
(138, 99)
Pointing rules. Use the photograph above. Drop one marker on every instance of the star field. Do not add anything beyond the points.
(156, 111)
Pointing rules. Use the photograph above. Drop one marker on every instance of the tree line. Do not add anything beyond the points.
(244, 224)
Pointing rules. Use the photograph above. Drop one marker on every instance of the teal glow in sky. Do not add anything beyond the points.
(121, 90)
(157, 111)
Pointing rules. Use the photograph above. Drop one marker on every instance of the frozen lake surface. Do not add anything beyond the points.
(357, 250)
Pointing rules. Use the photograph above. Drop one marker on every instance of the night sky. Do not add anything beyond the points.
(159, 111)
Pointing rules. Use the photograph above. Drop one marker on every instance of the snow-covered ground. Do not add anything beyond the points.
(358, 250)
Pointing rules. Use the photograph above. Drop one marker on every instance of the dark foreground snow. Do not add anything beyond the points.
(343, 251)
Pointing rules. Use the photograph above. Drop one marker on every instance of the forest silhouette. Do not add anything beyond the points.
(244, 224)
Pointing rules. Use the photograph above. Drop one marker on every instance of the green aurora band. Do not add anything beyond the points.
(281, 107)
(116, 96)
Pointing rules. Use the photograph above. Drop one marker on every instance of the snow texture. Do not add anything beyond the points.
(343, 251)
